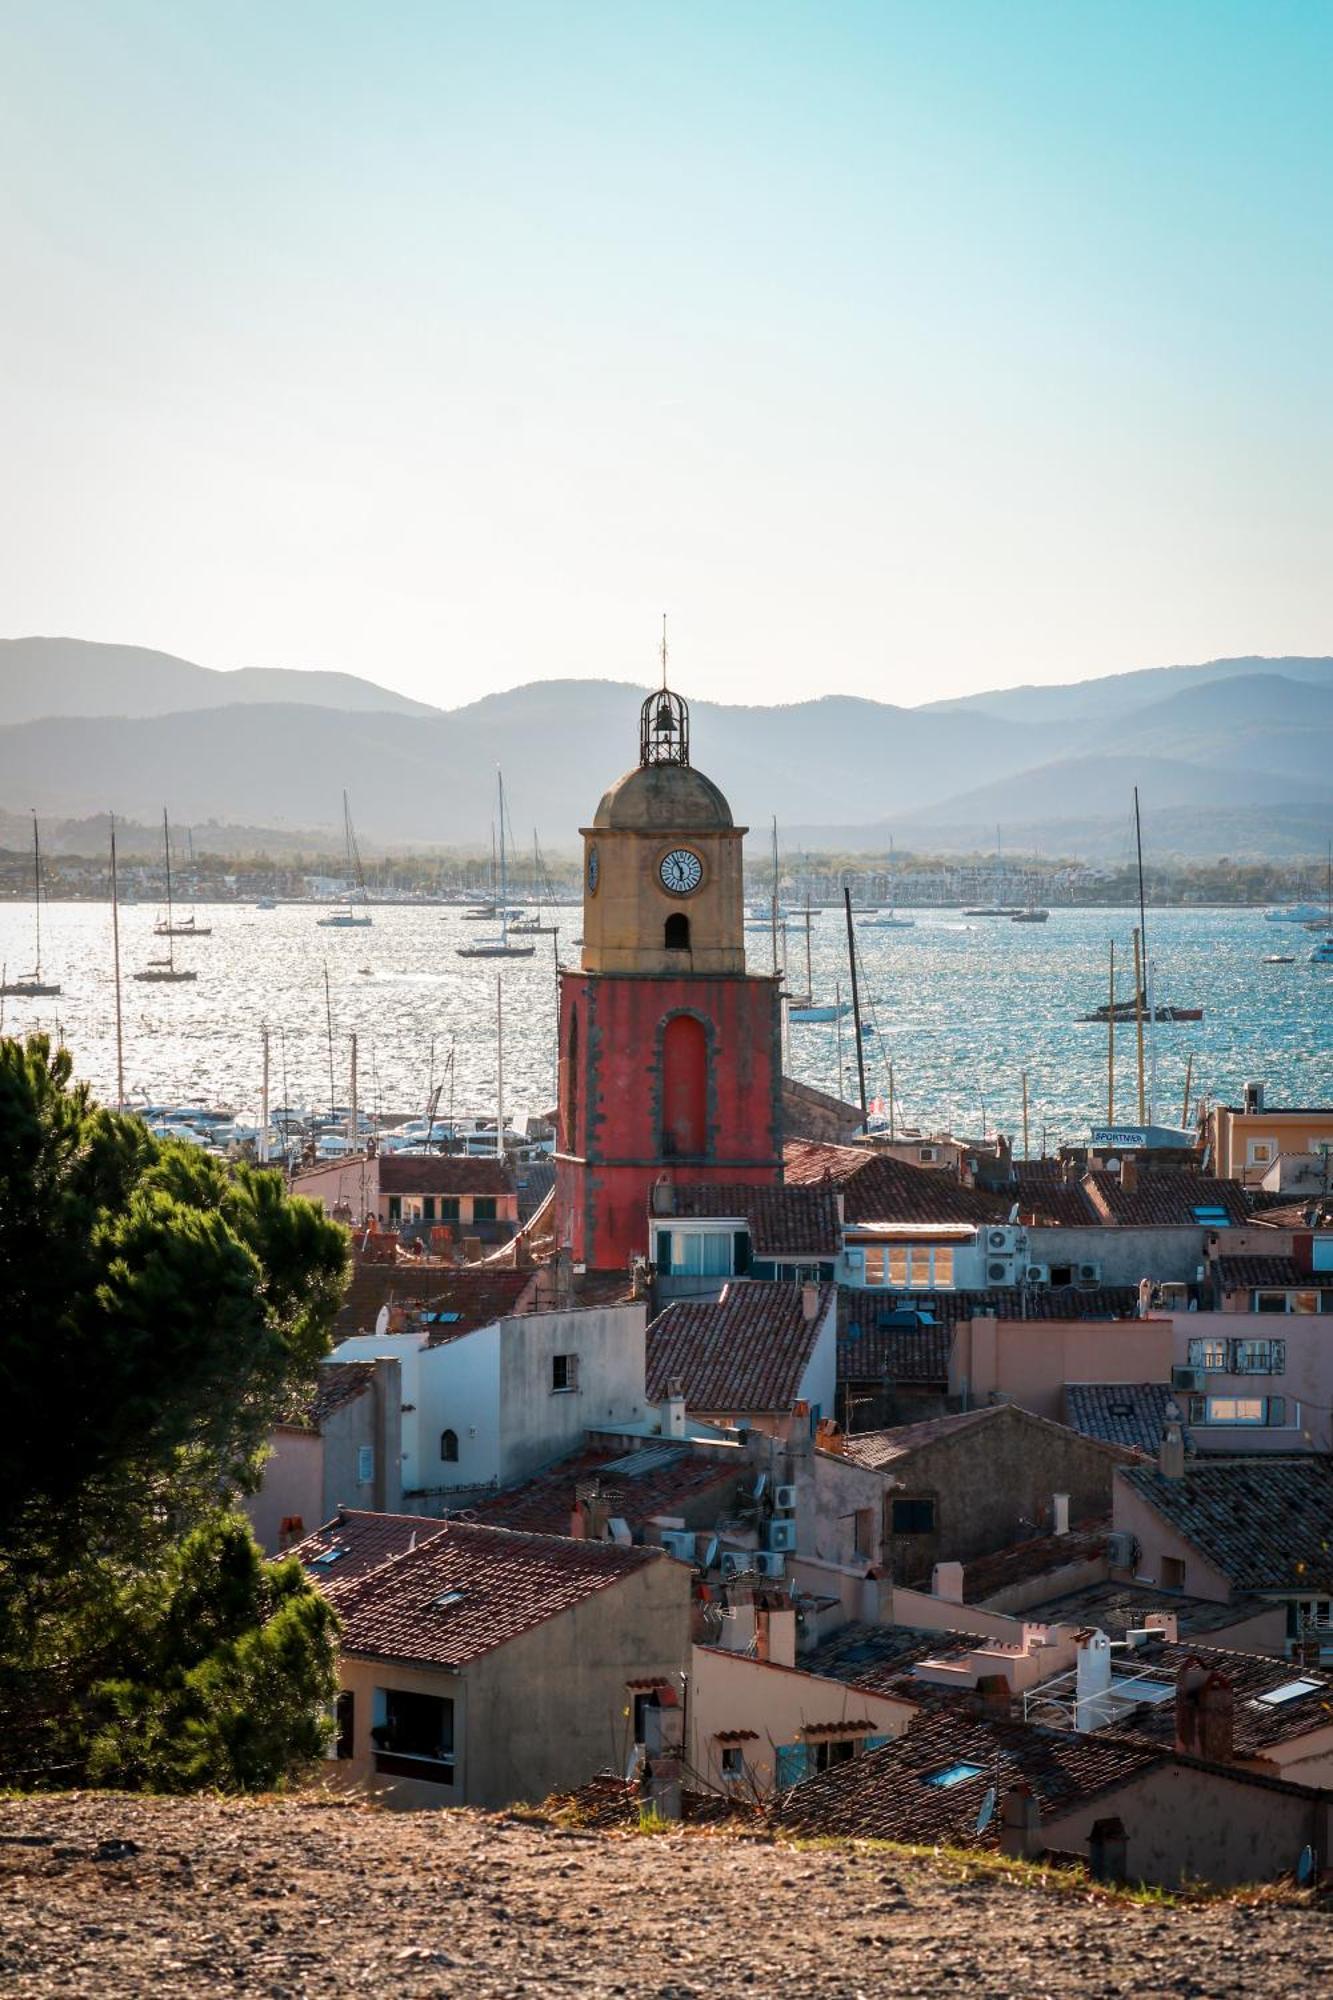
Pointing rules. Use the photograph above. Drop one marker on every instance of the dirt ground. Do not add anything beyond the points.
(107, 1896)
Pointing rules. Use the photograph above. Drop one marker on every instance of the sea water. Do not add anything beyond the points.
(962, 1007)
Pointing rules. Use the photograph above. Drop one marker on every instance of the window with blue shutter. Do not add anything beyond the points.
(790, 1765)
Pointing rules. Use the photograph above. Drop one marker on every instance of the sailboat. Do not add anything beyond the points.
(1032, 911)
(1143, 1005)
(165, 971)
(499, 947)
(889, 920)
(542, 893)
(31, 985)
(344, 917)
(997, 908)
(803, 1007)
(188, 926)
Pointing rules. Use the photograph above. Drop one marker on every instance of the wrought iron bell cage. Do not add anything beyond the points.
(664, 729)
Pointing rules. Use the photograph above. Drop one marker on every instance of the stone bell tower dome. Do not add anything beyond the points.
(663, 887)
(670, 1052)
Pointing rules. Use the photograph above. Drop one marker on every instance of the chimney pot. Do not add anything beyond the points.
(809, 1300)
(1060, 1509)
(1171, 1452)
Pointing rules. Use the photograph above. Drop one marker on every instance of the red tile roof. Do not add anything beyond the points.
(743, 1355)
(986, 1576)
(355, 1542)
(477, 1296)
(468, 1589)
(797, 1221)
(659, 1478)
(1128, 1413)
(1258, 1724)
(1049, 1201)
(1247, 1274)
(888, 1795)
(1165, 1199)
(880, 1448)
(443, 1173)
(877, 1188)
(1264, 1522)
(896, 1354)
(338, 1382)
(609, 1801)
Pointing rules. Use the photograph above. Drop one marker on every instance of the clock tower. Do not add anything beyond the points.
(670, 1052)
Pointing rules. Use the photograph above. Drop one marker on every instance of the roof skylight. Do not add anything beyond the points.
(1289, 1691)
(954, 1774)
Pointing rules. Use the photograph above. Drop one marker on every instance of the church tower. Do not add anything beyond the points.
(670, 1052)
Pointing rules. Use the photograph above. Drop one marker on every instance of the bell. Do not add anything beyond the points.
(665, 724)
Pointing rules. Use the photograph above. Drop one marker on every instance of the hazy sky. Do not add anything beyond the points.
(901, 348)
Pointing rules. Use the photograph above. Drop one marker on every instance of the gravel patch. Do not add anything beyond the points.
(110, 1896)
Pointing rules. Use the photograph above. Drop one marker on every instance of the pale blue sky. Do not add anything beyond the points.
(901, 349)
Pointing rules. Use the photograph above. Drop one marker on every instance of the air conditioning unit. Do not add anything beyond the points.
(1000, 1271)
(679, 1544)
(856, 1263)
(1000, 1239)
(782, 1534)
(1089, 1274)
(1037, 1274)
(770, 1562)
(784, 1499)
(735, 1562)
(1195, 1380)
(1122, 1550)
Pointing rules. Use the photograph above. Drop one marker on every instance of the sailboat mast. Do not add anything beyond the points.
(171, 922)
(856, 1008)
(1143, 946)
(504, 876)
(37, 893)
(1110, 1045)
(115, 954)
(773, 901)
(499, 1063)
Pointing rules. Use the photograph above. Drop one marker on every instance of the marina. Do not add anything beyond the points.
(960, 1012)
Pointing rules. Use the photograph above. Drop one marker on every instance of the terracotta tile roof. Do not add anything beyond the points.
(797, 1221)
(1166, 1199)
(1280, 1212)
(609, 1801)
(987, 1576)
(443, 1173)
(1120, 1607)
(888, 1794)
(1264, 1522)
(877, 1188)
(1258, 1724)
(1247, 1274)
(658, 1479)
(339, 1382)
(468, 1589)
(1050, 1201)
(878, 1659)
(742, 1355)
(362, 1542)
(895, 1354)
(603, 1288)
(1128, 1413)
(477, 1296)
(875, 1449)
(534, 1180)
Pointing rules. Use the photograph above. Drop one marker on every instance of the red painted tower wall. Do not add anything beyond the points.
(660, 1077)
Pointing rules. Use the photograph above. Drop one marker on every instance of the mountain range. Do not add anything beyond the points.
(1231, 756)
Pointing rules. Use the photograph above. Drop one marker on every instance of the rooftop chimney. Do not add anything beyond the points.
(1171, 1452)
(1254, 1097)
(1205, 1713)
(775, 1635)
(994, 1695)
(1092, 1679)
(809, 1300)
(946, 1581)
(1060, 1511)
(1020, 1824)
(1129, 1174)
(673, 1411)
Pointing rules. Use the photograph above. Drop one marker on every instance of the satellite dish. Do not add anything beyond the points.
(987, 1812)
(1305, 1867)
(382, 1321)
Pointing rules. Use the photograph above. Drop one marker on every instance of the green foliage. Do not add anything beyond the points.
(159, 1312)
(226, 1672)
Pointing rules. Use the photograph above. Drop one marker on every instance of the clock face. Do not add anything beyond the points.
(680, 871)
(594, 870)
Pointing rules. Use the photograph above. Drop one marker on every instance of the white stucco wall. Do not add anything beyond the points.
(539, 1424)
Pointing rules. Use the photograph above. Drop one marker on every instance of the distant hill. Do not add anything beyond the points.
(45, 677)
(1237, 751)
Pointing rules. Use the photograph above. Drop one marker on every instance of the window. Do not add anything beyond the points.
(449, 1447)
(733, 1761)
(395, 1208)
(699, 1253)
(449, 1208)
(953, 1774)
(877, 1265)
(1269, 1410)
(1259, 1357)
(676, 934)
(483, 1208)
(428, 1208)
(1259, 1152)
(837, 1750)
(344, 1725)
(1270, 1302)
(365, 1464)
(1173, 1573)
(941, 1276)
(414, 1735)
(1210, 1354)
(912, 1517)
(564, 1374)
(917, 1267)
(1303, 1302)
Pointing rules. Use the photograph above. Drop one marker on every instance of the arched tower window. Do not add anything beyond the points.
(684, 1088)
(571, 1136)
(677, 934)
(449, 1447)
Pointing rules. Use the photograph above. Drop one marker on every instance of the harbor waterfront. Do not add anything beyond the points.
(962, 1007)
